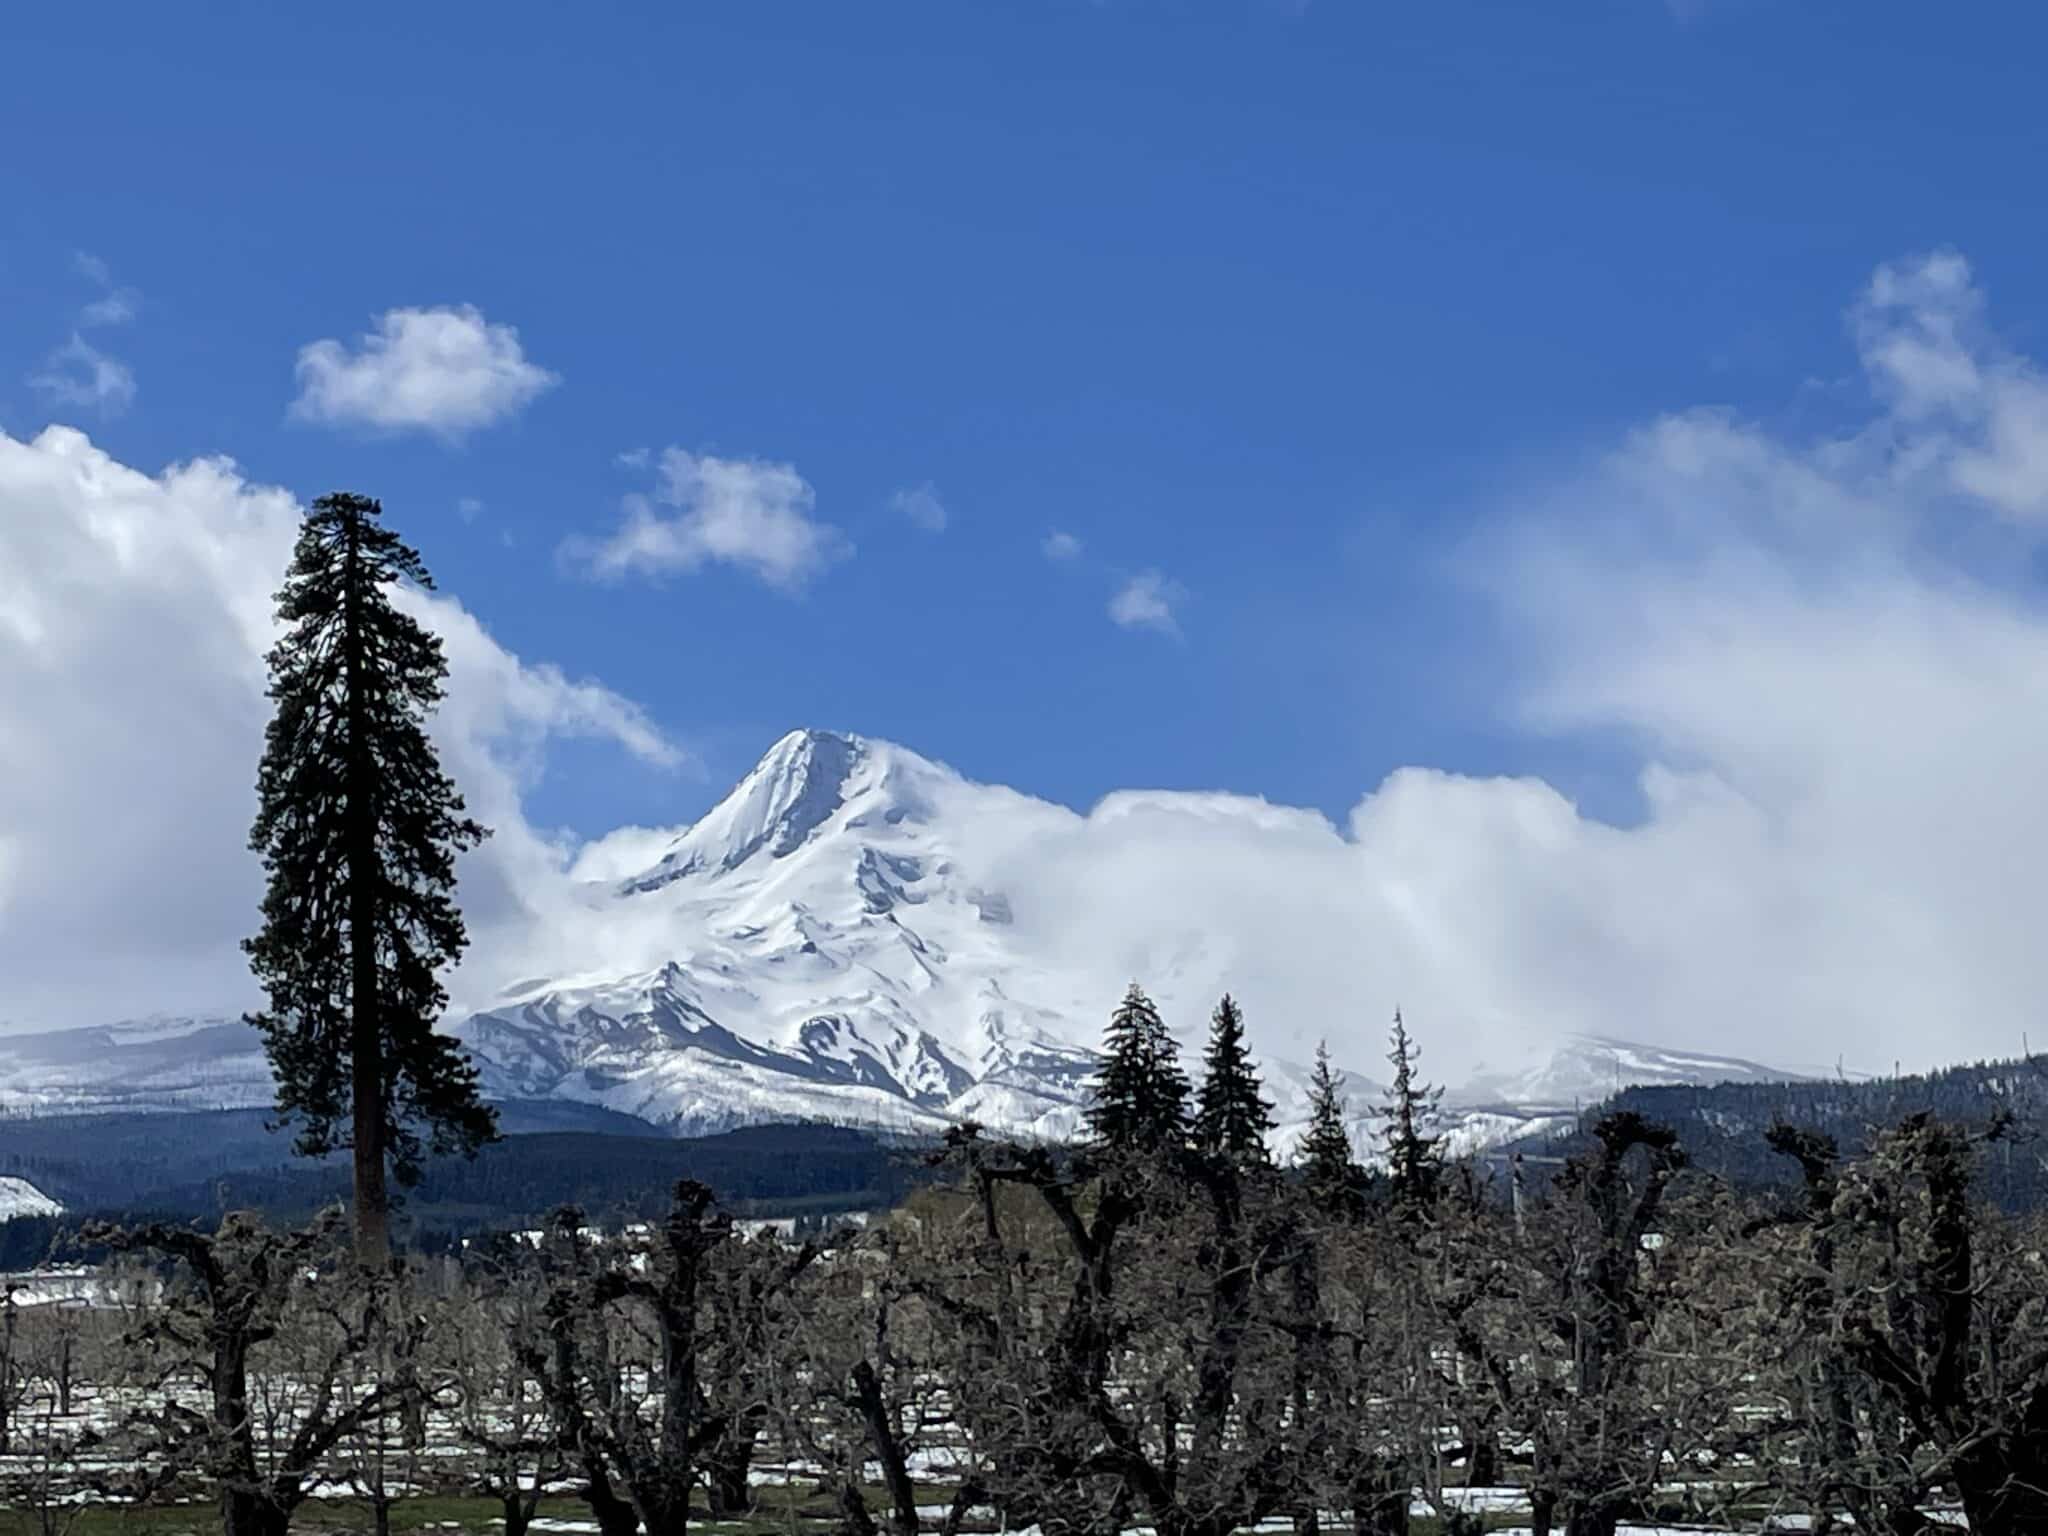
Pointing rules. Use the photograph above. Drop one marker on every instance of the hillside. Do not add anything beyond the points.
(1722, 1125)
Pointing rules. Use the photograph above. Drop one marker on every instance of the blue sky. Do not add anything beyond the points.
(1275, 300)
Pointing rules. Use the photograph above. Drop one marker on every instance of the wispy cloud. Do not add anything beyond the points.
(750, 513)
(1148, 601)
(117, 302)
(447, 371)
(1061, 546)
(80, 374)
(922, 506)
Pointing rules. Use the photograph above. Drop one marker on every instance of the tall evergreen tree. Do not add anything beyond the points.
(1141, 1093)
(1232, 1118)
(1415, 1156)
(1329, 1170)
(359, 829)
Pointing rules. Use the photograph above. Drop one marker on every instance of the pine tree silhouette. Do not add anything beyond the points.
(1415, 1158)
(359, 828)
(1141, 1093)
(1329, 1170)
(1232, 1118)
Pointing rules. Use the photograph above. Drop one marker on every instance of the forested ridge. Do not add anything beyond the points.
(1724, 1126)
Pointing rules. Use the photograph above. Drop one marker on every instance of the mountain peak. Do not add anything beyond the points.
(801, 784)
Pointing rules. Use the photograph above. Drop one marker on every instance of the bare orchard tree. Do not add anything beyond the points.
(268, 1413)
(856, 1391)
(474, 1349)
(1559, 1329)
(1369, 1412)
(1831, 1444)
(1929, 1358)
(574, 1365)
(644, 1427)
(1164, 1382)
(754, 1296)
(383, 1458)
(60, 1464)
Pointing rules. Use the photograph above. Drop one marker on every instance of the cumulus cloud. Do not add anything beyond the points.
(750, 513)
(135, 610)
(80, 374)
(1061, 546)
(922, 506)
(1147, 601)
(447, 371)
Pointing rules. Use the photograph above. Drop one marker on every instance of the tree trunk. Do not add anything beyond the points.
(1542, 1510)
(854, 1518)
(1591, 1520)
(965, 1497)
(1482, 1456)
(245, 1512)
(615, 1516)
(366, 1032)
(888, 1449)
(726, 1480)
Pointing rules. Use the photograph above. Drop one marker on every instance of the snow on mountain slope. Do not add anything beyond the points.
(18, 1197)
(151, 1064)
(829, 957)
(831, 941)
(1588, 1068)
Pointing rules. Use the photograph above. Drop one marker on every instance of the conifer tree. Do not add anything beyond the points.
(1141, 1093)
(1329, 1170)
(1415, 1157)
(359, 829)
(1232, 1118)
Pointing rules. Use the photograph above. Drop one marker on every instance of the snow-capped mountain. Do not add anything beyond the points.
(835, 943)
(18, 1197)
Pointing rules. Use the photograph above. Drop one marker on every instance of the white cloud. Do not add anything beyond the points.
(116, 304)
(1061, 546)
(1147, 601)
(135, 610)
(112, 309)
(1826, 663)
(469, 508)
(922, 506)
(447, 371)
(750, 513)
(80, 374)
